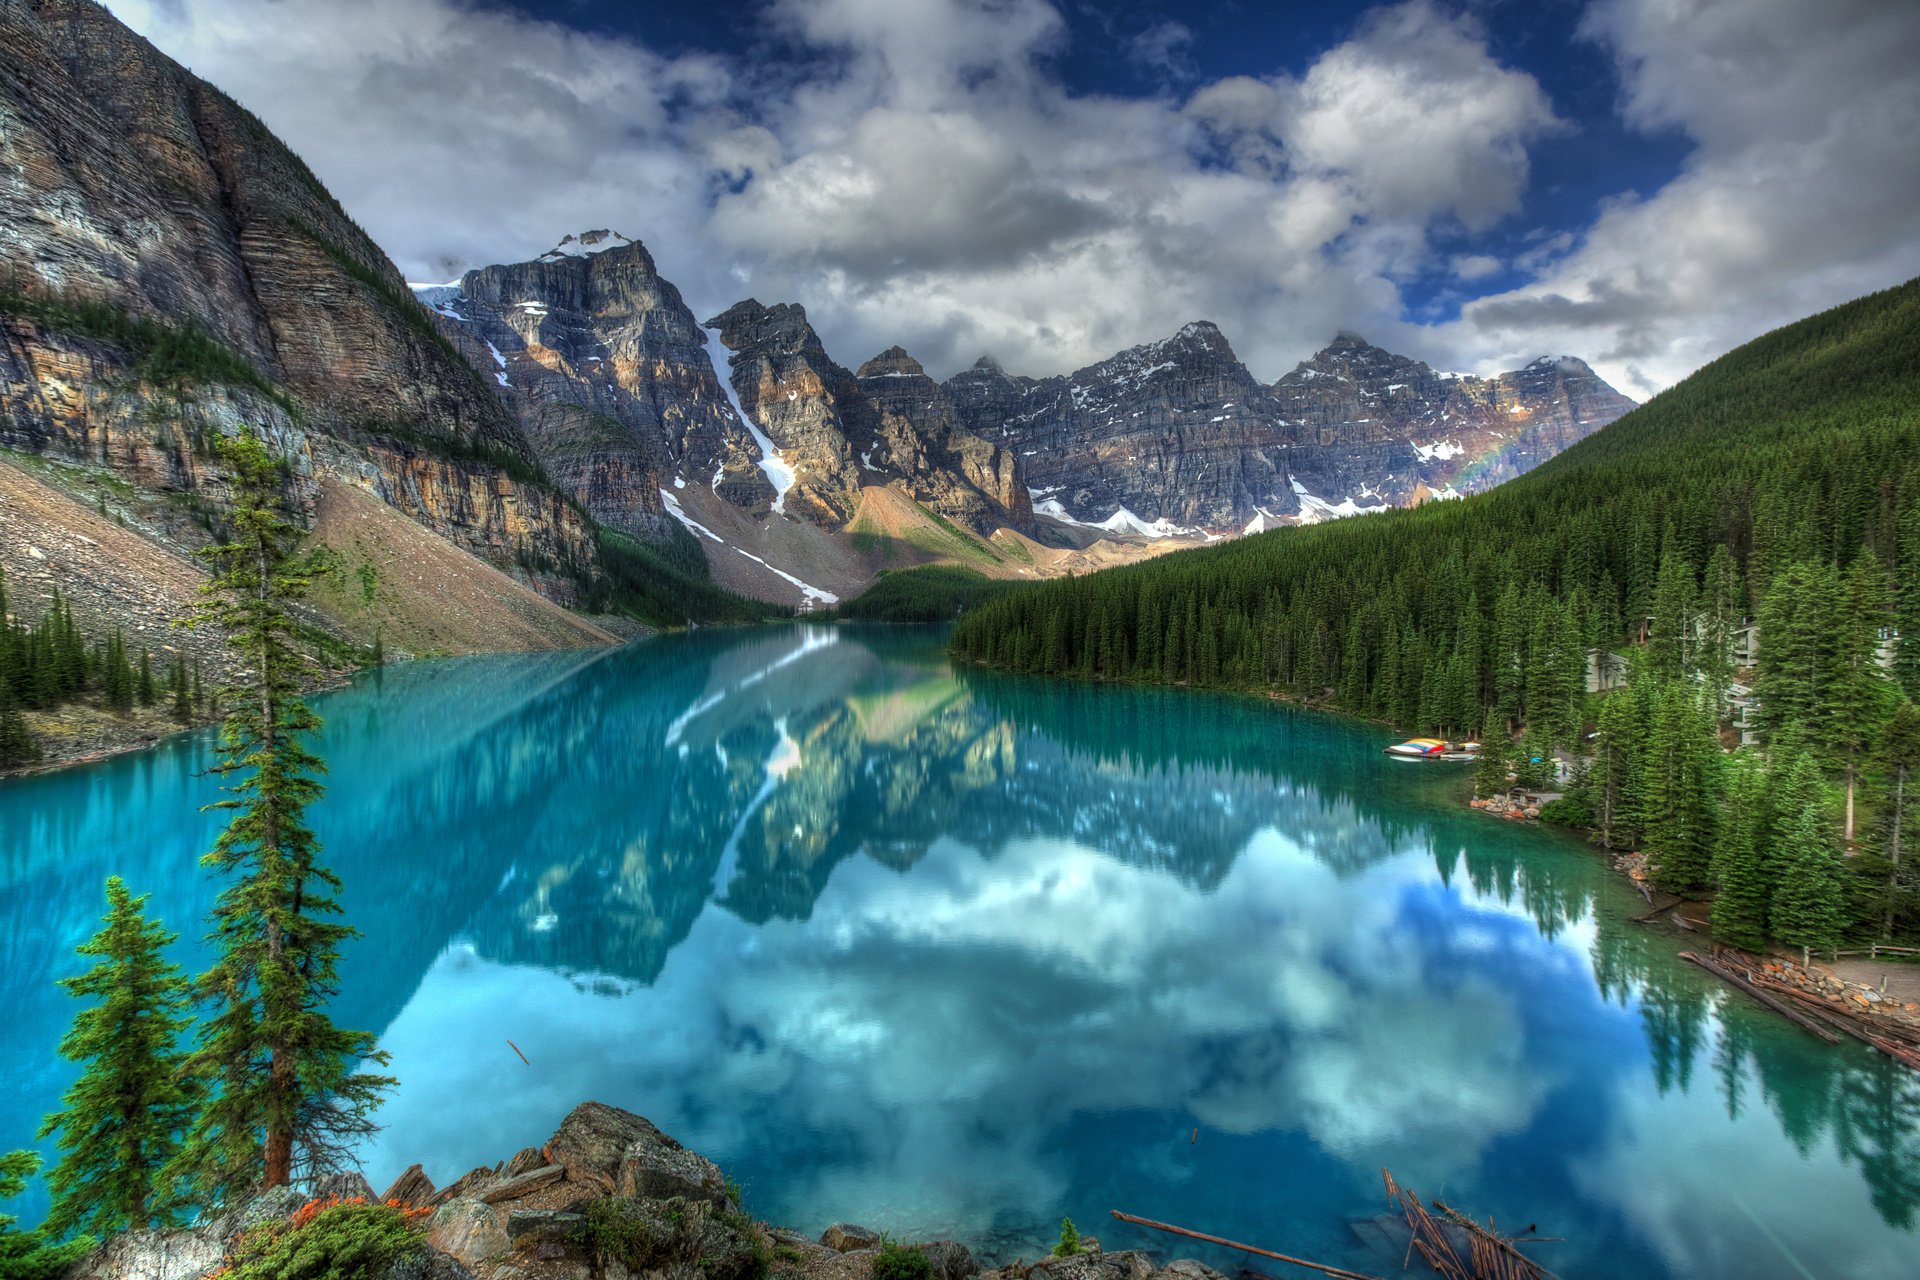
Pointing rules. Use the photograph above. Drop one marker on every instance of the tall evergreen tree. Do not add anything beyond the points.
(1677, 799)
(1740, 903)
(287, 1093)
(1496, 753)
(28, 1255)
(1809, 906)
(1906, 658)
(1857, 694)
(17, 746)
(1899, 756)
(123, 1117)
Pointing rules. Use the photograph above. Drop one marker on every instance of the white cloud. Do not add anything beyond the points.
(1801, 191)
(926, 179)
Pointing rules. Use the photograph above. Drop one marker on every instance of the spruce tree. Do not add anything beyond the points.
(1899, 755)
(286, 1092)
(17, 746)
(1740, 904)
(27, 1255)
(123, 1117)
(1613, 787)
(143, 686)
(1856, 692)
(1496, 750)
(1809, 905)
(1677, 800)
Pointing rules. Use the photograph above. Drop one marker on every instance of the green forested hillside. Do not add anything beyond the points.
(1783, 481)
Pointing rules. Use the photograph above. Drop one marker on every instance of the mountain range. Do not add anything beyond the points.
(559, 429)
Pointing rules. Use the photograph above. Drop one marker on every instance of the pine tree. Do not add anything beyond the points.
(286, 1091)
(1857, 694)
(143, 686)
(1740, 904)
(1809, 905)
(17, 746)
(27, 1255)
(1496, 750)
(182, 694)
(1899, 756)
(1906, 657)
(123, 1117)
(1677, 799)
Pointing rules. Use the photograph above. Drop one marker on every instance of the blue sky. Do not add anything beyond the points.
(1644, 183)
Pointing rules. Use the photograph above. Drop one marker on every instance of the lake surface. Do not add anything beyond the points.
(955, 954)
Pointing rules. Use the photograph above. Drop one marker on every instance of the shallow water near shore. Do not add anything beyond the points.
(955, 954)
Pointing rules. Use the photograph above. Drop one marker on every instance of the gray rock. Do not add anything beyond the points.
(412, 1188)
(468, 1230)
(152, 1255)
(594, 1138)
(513, 1188)
(343, 1186)
(658, 1168)
(844, 1237)
(556, 1223)
(1188, 1269)
(1128, 1264)
(276, 1205)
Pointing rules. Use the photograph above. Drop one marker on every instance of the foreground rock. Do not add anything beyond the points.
(607, 1197)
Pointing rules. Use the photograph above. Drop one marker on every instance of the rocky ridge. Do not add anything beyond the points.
(608, 375)
(1178, 437)
(840, 432)
(174, 271)
(607, 1197)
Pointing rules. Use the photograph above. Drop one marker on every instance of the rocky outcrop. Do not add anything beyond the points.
(608, 375)
(1178, 436)
(961, 475)
(1441, 433)
(838, 431)
(174, 271)
(683, 1220)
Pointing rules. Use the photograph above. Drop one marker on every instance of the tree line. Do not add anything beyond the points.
(195, 1092)
(51, 663)
(1780, 483)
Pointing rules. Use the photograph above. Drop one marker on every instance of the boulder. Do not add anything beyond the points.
(468, 1230)
(512, 1188)
(470, 1183)
(592, 1140)
(525, 1160)
(556, 1223)
(275, 1205)
(659, 1168)
(1188, 1269)
(1129, 1264)
(412, 1189)
(153, 1255)
(343, 1186)
(844, 1237)
(423, 1265)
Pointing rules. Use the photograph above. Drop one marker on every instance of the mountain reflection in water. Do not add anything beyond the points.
(953, 953)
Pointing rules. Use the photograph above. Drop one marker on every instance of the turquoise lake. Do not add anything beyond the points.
(954, 954)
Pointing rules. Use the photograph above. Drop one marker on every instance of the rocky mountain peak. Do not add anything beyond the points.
(586, 244)
(989, 364)
(894, 362)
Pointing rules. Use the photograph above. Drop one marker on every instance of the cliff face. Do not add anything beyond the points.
(174, 270)
(1178, 435)
(1464, 433)
(608, 375)
(838, 431)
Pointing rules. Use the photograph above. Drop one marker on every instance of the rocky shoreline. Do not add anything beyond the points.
(607, 1197)
(1849, 999)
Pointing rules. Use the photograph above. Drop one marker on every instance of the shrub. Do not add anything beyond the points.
(645, 1235)
(901, 1262)
(327, 1240)
(1069, 1240)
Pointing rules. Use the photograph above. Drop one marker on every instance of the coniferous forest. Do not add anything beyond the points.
(1736, 560)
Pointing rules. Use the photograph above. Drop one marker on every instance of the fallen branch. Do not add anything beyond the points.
(1321, 1267)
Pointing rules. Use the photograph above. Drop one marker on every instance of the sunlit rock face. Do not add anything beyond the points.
(1177, 436)
(608, 374)
(1442, 433)
(144, 191)
(838, 431)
